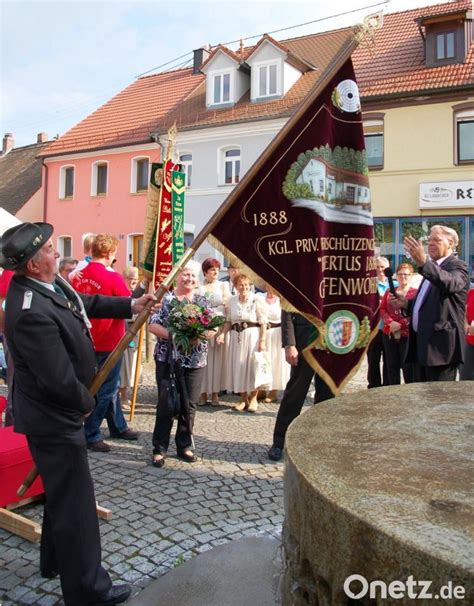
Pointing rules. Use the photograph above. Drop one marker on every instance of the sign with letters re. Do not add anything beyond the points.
(447, 194)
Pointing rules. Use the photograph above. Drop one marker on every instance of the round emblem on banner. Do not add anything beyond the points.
(342, 331)
(346, 96)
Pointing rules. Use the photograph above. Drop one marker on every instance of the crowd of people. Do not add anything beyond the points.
(61, 323)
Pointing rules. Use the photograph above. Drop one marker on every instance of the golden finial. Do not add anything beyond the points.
(172, 135)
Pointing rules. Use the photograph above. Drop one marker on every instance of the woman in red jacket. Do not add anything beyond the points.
(395, 329)
(466, 370)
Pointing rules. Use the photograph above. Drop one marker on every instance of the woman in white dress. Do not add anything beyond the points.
(218, 295)
(280, 367)
(246, 321)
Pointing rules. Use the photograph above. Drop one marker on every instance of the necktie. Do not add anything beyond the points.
(59, 290)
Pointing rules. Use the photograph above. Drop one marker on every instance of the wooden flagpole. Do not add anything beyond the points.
(136, 377)
(342, 55)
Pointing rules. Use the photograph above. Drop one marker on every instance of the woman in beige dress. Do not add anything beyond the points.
(218, 294)
(246, 321)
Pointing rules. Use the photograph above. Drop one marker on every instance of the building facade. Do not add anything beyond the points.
(416, 82)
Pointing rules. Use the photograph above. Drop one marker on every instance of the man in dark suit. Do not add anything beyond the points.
(47, 332)
(437, 311)
(295, 335)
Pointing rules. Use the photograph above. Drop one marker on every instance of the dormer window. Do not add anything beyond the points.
(447, 37)
(267, 80)
(445, 45)
(221, 88)
(274, 70)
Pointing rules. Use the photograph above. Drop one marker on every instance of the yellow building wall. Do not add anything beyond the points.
(418, 148)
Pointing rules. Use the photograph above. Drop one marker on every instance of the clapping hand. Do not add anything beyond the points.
(415, 249)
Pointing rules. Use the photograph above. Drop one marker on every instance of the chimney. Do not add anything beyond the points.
(8, 143)
(42, 138)
(200, 55)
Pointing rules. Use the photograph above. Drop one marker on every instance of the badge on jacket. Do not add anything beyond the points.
(27, 298)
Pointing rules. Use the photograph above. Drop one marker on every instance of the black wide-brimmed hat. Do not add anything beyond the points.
(18, 244)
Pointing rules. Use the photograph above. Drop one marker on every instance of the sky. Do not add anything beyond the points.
(60, 61)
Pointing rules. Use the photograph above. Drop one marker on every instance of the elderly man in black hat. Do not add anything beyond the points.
(48, 335)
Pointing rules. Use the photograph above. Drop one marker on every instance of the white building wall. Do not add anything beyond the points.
(206, 195)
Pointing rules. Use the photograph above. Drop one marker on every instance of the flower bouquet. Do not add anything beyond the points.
(188, 322)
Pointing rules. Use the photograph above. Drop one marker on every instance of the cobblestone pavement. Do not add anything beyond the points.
(162, 517)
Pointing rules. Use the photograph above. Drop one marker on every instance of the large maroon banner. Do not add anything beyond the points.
(303, 224)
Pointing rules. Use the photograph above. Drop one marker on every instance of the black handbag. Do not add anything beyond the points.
(169, 402)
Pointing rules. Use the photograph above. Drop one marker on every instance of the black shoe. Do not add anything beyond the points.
(49, 574)
(99, 446)
(128, 434)
(158, 462)
(188, 457)
(115, 595)
(275, 453)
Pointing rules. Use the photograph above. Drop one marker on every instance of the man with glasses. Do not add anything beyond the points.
(437, 312)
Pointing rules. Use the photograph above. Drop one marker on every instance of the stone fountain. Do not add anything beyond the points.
(379, 485)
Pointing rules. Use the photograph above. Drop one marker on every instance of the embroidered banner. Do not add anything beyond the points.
(303, 224)
(178, 188)
(167, 206)
(147, 258)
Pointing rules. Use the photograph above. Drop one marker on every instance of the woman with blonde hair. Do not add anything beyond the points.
(246, 321)
(190, 365)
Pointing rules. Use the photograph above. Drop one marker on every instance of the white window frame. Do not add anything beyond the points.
(266, 65)
(62, 182)
(221, 73)
(464, 115)
(61, 245)
(375, 127)
(94, 178)
(222, 164)
(186, 164)
(134, 174)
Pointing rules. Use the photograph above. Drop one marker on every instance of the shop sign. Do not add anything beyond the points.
(447, 194)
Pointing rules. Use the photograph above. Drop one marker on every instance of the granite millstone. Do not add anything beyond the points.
(379, 483)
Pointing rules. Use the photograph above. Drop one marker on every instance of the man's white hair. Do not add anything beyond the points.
(449, 233)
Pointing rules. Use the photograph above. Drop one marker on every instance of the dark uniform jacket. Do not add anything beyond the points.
(438, 340)
(53, 354)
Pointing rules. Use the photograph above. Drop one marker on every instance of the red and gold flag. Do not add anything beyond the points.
(302, 223)
(164, 234)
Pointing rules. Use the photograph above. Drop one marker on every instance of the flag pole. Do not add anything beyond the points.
(343, 54)
(136, 374)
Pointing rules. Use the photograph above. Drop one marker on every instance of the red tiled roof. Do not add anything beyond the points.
(392, 65)
(395, 64)
(130, 116)
(223, 49)
(318, 49)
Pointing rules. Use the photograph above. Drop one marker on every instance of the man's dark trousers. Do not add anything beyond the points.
(70, 541)
(298, 385)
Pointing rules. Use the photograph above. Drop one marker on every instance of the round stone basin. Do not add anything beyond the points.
(380, 483)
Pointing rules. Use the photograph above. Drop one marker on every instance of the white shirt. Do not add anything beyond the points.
(424, 288)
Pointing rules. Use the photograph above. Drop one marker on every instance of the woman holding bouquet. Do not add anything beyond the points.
(246, 320)
(190, 361)
(218, 294)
